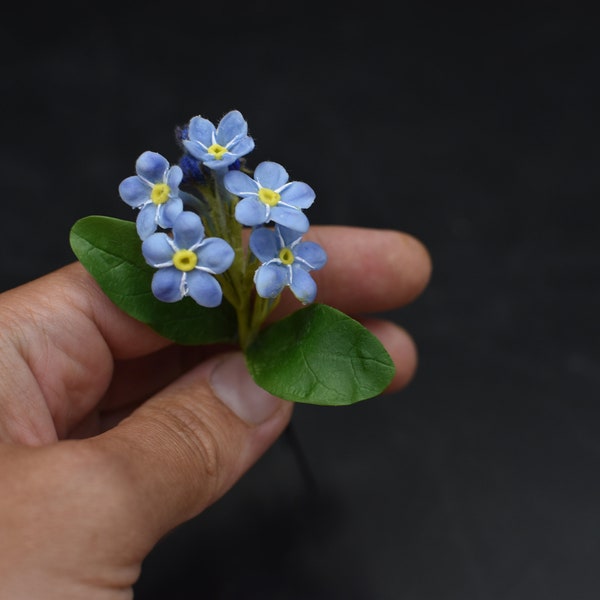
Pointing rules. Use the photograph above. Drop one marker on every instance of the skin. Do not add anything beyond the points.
(111, 436)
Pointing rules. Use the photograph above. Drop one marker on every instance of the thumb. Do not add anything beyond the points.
(185, 447)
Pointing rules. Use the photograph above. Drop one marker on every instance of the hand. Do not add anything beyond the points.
(110, 436)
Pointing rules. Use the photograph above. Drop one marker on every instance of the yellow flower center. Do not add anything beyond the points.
(269, 197)
(217, 151)
(185, 260)
(160, 193)
(286, 256)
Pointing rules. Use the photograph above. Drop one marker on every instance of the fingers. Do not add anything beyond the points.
(48, 322)
(137, 379)
(370, 270)
(171, 458)
(57, 362)
(103, 503)
(400, 346)
(184, 448)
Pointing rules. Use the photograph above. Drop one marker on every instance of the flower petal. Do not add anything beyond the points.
(204, 288)
(242, 147)
(251, 212)
(173, 178)
(196, 149)
(215, 254)
(289, 237)
(200, 131)
(146, 220)
(270, 175)
(216, 164)
(264, 244)
(240, 184)
(187, 230)
(292, 218)
(169, 211)
(167, 284)
(302, 285)
(231, 126)
(157, 249)
(152, 166)
(270, 280)
(135, 191)
(311, 254)
(298, 194)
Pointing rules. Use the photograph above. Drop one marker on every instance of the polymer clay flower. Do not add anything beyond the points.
(218, 147)
(155, 191)
(270, 196)
(187, 262)
(286, 261)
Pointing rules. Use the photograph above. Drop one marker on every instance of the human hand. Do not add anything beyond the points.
(110, 435)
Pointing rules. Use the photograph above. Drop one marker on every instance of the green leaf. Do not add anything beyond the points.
(110, 249)
(319, 355)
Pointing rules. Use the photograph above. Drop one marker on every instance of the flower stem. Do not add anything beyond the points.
(237, 282)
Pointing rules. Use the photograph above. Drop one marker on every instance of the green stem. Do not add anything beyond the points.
(237, 282)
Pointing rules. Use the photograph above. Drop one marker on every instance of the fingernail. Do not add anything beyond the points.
(234, 386)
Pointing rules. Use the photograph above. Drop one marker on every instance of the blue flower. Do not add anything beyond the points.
(155, 191)
(187, 262)
(270, 197)
(218, 147)
(287, 261)
(191, 169)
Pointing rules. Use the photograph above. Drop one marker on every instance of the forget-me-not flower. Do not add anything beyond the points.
(155, 191)
(218, 147)
(187, 262)
(286, 261)
(270, 196)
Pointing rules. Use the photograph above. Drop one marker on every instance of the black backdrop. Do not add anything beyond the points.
(476, 131)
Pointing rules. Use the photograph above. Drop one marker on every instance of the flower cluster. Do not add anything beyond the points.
(191, 217)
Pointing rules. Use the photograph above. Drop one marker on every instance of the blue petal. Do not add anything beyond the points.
(302, 285)
(298, 194)
(196, 149)
(146, 221)
(251, 212)
(292, 218)
(232, 125)
(288, 236)
(313, 255)
(242, 146)
(200, 130)
(270, 175)
(264, 244)
(226, 160)
(215, 254)
(204, 288)
(270, 280)
(187, 230)
(157, 250)
(166, 284)
(174, 177)
(240, 184)
(152, 166)
(134, 191)
(169, 211)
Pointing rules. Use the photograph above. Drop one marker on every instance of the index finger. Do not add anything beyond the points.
(367, 270)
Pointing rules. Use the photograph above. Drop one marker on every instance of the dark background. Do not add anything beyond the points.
(476, 131)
